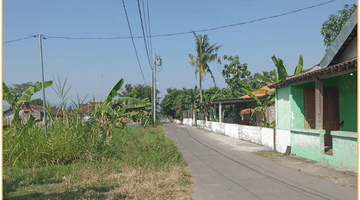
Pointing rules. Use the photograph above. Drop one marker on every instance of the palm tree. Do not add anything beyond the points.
(205, 53)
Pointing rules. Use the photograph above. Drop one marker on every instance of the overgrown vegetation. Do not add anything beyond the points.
(95, 159)
(133, 162)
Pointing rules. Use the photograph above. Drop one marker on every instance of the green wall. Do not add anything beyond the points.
(297, 107)
(283, 108)
(290, 107)
(348, 101)
(290, 103)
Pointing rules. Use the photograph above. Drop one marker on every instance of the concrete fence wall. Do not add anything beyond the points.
(259, 135)
(176, 121)
(306, 143)
(344, 148)
(309, 143)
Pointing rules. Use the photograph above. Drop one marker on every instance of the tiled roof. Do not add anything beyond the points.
(309, 76)
(260, 92)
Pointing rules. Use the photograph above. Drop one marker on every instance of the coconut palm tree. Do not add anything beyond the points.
(205, 53)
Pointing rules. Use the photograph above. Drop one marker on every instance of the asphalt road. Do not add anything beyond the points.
(222, 171)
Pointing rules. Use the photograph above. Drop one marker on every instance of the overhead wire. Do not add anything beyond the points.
(147, 5)
(142, 27)
(204, 30)
(146, 28)
(137, 56)
(19, 39)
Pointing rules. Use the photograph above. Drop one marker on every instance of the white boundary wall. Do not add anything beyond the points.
(259, 135)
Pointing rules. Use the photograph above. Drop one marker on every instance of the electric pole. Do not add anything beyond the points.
(154, 92)
(43, 84)
(157, 62)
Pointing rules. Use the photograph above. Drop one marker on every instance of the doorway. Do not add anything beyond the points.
(331, 113)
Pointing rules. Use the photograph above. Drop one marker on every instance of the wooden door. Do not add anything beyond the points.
(330, 108)
(331, 112)
(309, 108)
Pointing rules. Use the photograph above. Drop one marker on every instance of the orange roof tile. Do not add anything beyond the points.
(260, 92)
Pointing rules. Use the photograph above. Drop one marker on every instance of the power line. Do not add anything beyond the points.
(146, 28)
(137, 57)
(147, 5)
(142, 27)
(19, 39)
(203, 30)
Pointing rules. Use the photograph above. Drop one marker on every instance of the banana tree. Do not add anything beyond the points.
(26, 97)
(261, 106)
(281, 70)
(104, 111)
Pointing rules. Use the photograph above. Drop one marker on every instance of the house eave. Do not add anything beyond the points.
(323, 73)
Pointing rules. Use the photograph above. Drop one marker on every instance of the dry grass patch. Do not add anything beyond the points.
(94, 182)
(268, 154)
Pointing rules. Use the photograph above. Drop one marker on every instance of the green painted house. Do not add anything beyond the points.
(319, 105)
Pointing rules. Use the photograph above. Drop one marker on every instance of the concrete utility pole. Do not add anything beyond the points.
(154, 92)
(43, 84)
(157, 62)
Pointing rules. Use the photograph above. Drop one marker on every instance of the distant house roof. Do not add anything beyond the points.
(54, 111)
(86, 108)
(342, 41)
(260, 92)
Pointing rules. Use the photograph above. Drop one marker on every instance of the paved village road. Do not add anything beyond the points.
(221, 171)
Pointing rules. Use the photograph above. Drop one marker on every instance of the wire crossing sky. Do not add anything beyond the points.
(88, 42)
(189, 32)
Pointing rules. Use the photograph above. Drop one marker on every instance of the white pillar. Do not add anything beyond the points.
(205, 113)
(220, 117)
(215, 111)
(210, 113)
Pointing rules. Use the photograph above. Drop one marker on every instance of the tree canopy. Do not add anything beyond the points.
(18, 89)
(139, 91)
(332, 27)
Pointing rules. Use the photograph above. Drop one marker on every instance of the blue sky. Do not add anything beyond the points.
(92, 67)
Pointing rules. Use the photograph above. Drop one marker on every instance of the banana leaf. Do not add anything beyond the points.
(26, 97)
(299, 68)
(7, 95)
(113, 91)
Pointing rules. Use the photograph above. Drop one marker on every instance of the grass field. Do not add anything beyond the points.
(131, 163)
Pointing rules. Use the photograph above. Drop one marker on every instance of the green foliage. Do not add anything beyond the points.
(7, 96)
(299, 67)
(281, 71)
(281, 68)
(18, 89)
(37, 101)
(25, 97)
(261, 108)
(237, 76)
(113, 91)
(205, 53)
(332, 27)
(88, 142)
(61, 91)
(33, 89)
(138, 91)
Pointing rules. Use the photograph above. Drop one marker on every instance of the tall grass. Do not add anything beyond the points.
(88, 141)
